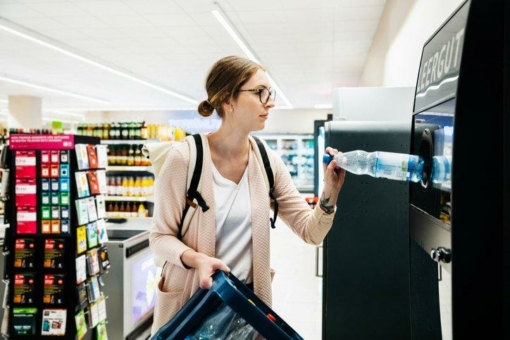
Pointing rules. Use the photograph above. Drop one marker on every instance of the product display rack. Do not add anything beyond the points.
(297, 152)
(54, 246)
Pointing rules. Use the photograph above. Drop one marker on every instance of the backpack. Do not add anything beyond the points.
(157, 152)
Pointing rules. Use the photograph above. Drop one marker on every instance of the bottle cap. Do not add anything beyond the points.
(326, 159)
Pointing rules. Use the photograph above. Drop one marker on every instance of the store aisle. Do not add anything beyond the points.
(297, 292)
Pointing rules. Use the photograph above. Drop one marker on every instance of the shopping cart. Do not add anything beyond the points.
(226, 289)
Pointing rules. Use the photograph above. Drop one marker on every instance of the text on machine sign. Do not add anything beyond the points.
(443, 62)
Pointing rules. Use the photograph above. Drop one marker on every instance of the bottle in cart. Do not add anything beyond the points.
(396, 166)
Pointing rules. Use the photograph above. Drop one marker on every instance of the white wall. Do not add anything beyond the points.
(373, 103)
(405, 26)
(294, 121)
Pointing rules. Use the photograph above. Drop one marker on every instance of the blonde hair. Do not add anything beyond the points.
(224, 80)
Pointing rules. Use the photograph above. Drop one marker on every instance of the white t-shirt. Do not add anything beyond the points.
(233, 224)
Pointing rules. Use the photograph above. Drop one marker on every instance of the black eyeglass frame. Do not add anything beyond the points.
(271, 93)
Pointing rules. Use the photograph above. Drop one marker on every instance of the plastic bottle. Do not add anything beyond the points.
(396, 166)
(441, 168)
(142, 212)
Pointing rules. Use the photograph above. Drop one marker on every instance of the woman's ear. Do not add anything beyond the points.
(228, 105)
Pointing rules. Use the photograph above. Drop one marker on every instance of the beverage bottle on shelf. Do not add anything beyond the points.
(124, 154)
(134, 209)
(115, 210)
(110, 185)
(109, 209)
(113, 131)
(131, 186)
(137, 187)
(396, 166)
(144, 190)
(125, 186)
(112, 155)
(118, 186)
(138, 155)
(150, 185)
(106, 131)
(142, 211)
(131, 155)
(144, 131)
(122, 209)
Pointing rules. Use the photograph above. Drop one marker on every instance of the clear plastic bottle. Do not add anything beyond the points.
(396, 166)
(441, 168)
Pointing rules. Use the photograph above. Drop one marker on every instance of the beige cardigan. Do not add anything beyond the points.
(177, 284)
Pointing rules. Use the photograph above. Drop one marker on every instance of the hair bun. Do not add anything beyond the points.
(205, 108)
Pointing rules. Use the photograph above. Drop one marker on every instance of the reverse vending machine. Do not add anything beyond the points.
(431, 260)
(458, 234)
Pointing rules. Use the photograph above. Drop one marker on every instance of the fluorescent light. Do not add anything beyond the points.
(323, 106)
(5, 113)
(232, 31)
(49, 89)
(222, 18)
(46, 42)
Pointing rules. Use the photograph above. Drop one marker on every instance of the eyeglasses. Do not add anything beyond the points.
(264, 94)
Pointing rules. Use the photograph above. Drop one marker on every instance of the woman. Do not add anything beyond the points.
(233, 235)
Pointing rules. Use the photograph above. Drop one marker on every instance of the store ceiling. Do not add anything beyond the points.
(308, 46)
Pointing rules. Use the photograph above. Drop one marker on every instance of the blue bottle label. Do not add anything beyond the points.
(393, 166)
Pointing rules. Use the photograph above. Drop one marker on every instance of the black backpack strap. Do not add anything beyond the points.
(193, 194)
(270, 178)
(197, 173)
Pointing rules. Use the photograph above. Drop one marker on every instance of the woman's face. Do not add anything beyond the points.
(249, 111)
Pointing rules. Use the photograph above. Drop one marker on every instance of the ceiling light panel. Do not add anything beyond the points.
(106, 8)
(189, 43)
(18, 11)
(92, 71)
(248, 51)
(41, 87)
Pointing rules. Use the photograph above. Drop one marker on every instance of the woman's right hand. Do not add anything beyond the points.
(205, 265)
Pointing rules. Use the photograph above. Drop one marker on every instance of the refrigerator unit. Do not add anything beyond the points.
(297, 152)
(319, 134)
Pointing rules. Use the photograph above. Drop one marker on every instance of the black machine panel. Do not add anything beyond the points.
(366, 262)
(457, 223)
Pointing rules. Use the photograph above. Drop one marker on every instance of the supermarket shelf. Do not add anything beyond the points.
(130, 198)
(128, 168)
(114, 220)
(128, 141)
(136, 223)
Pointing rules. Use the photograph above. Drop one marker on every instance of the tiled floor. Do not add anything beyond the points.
(445, 298)
(297, 292)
